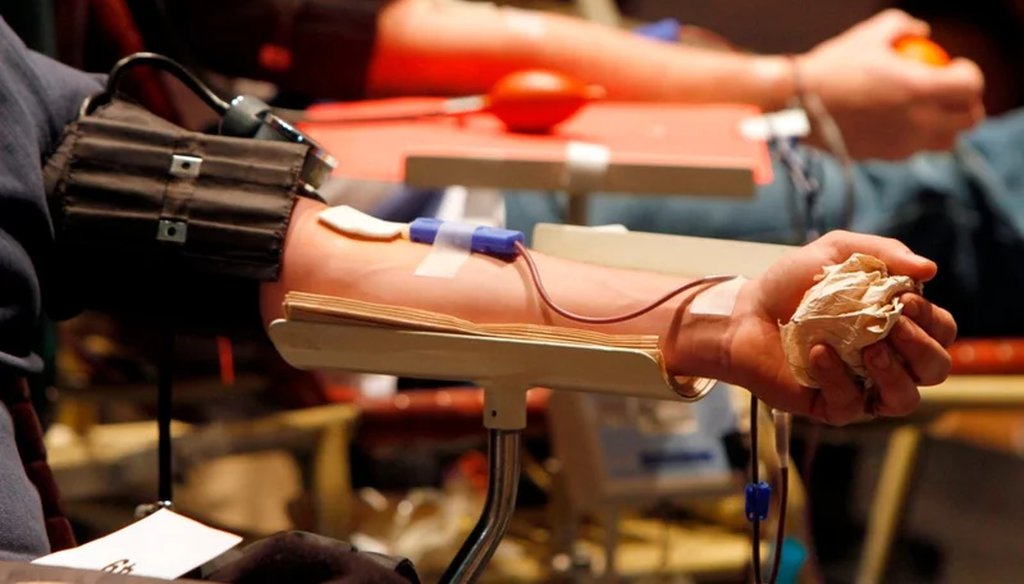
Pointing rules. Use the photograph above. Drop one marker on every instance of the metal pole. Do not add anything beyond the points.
(577, 209)
(165, 402)
(503, 464)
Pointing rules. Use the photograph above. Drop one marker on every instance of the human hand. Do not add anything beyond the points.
(888, 105)
(913, 354)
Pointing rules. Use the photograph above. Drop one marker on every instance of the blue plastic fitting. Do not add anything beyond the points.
(488, 240)
(758, 499)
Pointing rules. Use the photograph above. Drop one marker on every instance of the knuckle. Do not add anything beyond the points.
(833, 236)
(899, 244)
(895, 15)
(907, 334)
(924, 311)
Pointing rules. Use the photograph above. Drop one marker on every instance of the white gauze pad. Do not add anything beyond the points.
(354, 222)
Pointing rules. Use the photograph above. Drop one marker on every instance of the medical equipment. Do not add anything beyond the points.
(531, 101)
(244, 117)
(494, 241)
(508, 244)
(922, 49)
(757, 492)
(188, 193)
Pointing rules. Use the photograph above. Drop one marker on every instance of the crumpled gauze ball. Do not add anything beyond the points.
(854, 304)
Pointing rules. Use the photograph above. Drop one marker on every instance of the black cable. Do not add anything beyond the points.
(165, 398)
(802, 178)
(755, 522)
(164, 64)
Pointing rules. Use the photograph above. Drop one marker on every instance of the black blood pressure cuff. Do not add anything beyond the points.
(149, 217)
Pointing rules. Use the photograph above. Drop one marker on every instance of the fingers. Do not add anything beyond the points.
(896, 255)
(924, 358)
(914, 354)
(941, 126)
(949, 102)
(935, 321)
(896, 390)
(959, 84)
(891, 24)
(893, 393)
(840, 400)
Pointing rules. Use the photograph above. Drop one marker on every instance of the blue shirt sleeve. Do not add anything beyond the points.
(964, 209)
(38, 97)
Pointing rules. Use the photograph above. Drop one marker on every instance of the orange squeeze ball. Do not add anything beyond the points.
(536, 100)
(923, 50)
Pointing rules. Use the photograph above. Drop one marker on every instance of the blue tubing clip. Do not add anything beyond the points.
(758, 499)
(492, 241)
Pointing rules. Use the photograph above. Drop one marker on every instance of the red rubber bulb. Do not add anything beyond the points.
(924, 50)
(536, 100)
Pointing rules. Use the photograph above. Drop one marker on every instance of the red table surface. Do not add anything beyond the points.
(988, 356)
(636, 133)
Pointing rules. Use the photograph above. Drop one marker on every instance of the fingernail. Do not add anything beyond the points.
(880, 359)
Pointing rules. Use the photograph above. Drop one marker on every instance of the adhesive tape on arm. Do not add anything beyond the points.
(452, 247)
(354, 222)
(718, 300)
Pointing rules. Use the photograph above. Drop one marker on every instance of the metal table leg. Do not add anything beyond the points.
(889, 503)
(503, 462)
(577, 209)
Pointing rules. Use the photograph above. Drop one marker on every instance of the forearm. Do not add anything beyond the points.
(424, 46)
(488, 290)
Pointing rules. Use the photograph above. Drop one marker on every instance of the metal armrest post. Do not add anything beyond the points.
(505, 417)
